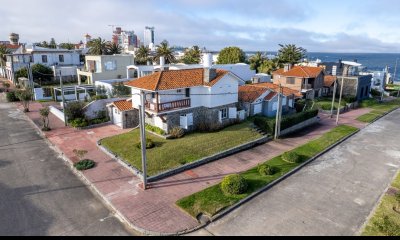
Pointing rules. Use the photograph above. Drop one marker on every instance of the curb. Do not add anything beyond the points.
(272, 184)
(378, 118)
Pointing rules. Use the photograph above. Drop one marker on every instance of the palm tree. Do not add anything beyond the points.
(290, 53)
(97, 47)
(3, 52)
(164, 50)
(256, 61)
(192, 56)
(142, 55)
(114, 48)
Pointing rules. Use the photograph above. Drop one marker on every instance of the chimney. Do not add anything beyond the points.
(287, 67)
(162, 63)
(207, 60)
(209, 74)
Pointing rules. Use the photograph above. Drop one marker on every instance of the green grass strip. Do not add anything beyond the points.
(211, 200)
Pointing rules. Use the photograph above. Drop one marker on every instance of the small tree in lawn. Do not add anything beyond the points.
(25, 96)
(44, 112)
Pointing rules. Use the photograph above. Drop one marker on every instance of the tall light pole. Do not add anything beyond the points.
(334, 96)
(278, 114)
(63, 99)
(143, 137)
(341, 93)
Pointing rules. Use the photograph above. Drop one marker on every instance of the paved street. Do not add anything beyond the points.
(39, 195)
(332, 196)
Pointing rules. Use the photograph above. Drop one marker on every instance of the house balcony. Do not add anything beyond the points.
(168, 106)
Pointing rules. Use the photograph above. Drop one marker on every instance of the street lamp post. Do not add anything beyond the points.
(334, 97)
(278, 114)
(143, 137)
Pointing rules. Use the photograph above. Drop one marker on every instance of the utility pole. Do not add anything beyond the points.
(333, 98)
(278, 114)
(143, 137)
(63, 99)
(340, 100)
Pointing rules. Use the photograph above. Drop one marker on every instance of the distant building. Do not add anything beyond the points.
(128, 40)
(149, 37)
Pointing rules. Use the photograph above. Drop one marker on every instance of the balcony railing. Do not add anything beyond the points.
(167, 106)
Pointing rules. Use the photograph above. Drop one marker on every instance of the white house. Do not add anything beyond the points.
(59, 59)
(190, 98)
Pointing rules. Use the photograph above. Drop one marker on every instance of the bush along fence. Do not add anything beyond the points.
(268, 125)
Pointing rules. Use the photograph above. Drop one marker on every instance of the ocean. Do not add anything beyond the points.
(372, 61)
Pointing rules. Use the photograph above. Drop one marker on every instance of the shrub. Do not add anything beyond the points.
(375, 93)
(74, 110)
(266, 170)
(177, 132)
(149, 144)
(99, 97)
(79, 123)
(155, 129)
(98, 121)
(11, 97)
(368, 103)
(233, 185)
(291, 157)
(44, 113)
(25, 96)
(84, 164)
(350, 99)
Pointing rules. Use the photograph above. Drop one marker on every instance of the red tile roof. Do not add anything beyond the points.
(300, 71)
(248, 93)
(329, 80)
(123, 105)
(286, 91)
(175, 79)
(270, 96)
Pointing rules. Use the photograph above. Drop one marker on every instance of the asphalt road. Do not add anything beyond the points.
(332, 196)
(39, 195)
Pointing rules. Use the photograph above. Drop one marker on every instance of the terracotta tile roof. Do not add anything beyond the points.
(300, 71)
(286, 91)
(123, 105)
(11, 46)
(175, 79)
(329, 80)
(250, 93)
(270, 96)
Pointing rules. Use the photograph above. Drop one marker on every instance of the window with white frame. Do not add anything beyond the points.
(110, 65)
(224, 113)
(44, 58)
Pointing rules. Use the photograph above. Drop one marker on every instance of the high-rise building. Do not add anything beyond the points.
(128, 40)
(149, 36)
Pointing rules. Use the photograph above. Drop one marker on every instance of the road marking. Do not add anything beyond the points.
(392, 165)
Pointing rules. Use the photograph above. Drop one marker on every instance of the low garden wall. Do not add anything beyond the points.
(300, 126)
(58, 113)
(344, 109)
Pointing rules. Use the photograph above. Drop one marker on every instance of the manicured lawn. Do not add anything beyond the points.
(379, 109)
(211, 200)
(375, 226)
(169, 154)
(327, 104)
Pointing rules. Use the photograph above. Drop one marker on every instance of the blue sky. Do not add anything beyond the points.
(327, 26)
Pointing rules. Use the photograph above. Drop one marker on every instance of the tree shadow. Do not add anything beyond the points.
(4, 163)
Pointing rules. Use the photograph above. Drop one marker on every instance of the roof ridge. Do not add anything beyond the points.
(158, 80)
(308, 75)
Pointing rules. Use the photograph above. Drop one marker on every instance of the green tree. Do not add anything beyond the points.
(268, 66)
(256, 61)
(69, 46)
(52, 43)
(41, 73)
(25, 96)
(192, 55)
(44, 113)
(3, 52)
(142, 55)
(113, 48)
(97, 47)
(23, 72)
(43, 44)
(290, 53)
(75, 110)
(231, 55)
(120, 90)
(164, 50)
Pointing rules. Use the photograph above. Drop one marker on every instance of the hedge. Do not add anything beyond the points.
(268, 125)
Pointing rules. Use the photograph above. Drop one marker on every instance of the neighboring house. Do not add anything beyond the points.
(262, 99)
(329, 85)
(306, 80)
(59, 59)
(357, 86)
(105, 67)
(261, 78)
(189, 98)
(123, 114)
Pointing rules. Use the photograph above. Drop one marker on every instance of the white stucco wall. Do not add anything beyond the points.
(224, 92)
(241, 70)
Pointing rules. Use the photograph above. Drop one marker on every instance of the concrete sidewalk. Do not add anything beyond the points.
(154, 210)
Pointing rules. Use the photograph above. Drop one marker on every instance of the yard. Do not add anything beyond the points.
(169, 154)
(389, 226)
(212, 200)
(378, 109)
